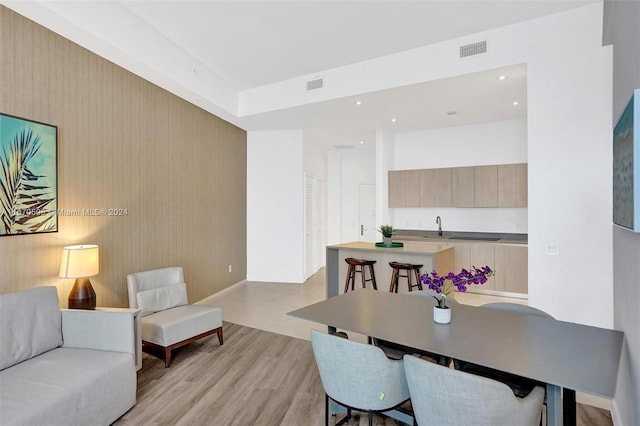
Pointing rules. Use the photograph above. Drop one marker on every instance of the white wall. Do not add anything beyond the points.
(621, 29)
(568, 140)
(275, 200)
(348, 168)
(502, 142)
(384, 163)
(315, 153)
(334, 197)
(316, 165)
(569, 122)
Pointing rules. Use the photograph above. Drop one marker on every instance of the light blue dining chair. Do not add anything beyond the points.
(358, 376)
(442, 396)
(521, 386)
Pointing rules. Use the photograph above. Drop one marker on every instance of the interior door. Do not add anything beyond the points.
(367, 197)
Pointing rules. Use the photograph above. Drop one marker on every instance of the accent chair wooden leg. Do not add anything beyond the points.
(220, 338)
(167, 357)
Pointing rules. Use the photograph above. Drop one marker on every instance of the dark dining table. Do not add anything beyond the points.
(561, 354)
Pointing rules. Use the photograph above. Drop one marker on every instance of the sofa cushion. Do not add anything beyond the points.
(162, 298)
(62, 386)
(30, 324)
(177, 324)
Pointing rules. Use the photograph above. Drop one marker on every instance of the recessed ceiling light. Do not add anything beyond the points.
(502, 77)
(358, 102)
(393, 120)
(361, 142)
(515, 103)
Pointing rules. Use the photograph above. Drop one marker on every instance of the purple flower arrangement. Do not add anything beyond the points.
(457, 282)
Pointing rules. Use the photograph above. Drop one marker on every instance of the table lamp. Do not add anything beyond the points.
(80, 262)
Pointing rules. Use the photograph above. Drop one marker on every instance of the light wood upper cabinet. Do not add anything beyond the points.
(502, 185)
(512, 185)
(462, 187)
(485, 186)
(435, 187)
(404, 188)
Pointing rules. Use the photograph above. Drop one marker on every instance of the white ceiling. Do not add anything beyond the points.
(245, 44)
(252, 43)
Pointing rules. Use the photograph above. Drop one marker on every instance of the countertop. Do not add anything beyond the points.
(432, 237)
(409, 248)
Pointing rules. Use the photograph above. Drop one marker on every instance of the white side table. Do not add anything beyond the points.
(136, 316)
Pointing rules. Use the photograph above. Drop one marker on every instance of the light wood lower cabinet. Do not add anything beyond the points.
(483, 255)
(512, 269)
(509, 261)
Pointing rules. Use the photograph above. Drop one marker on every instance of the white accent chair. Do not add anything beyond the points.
(443, 396)
(358, 376)
(168, 321)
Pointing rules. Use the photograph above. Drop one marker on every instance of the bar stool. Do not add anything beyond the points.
(409, 270)
(358, 266)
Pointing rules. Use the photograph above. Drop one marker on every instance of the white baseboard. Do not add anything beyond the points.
(208, 299)
(615, 416)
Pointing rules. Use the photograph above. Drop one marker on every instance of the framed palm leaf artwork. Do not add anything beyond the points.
(28, 176)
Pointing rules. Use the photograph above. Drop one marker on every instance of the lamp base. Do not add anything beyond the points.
(82, 295)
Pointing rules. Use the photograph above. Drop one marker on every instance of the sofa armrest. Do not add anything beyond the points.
(108, 330)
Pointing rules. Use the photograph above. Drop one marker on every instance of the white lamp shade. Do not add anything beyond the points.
(80, 261)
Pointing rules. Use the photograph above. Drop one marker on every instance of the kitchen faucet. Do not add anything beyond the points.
(439, 222)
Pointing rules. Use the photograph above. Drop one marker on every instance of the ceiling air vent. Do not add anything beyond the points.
(344, 146)
(314, 84)
(472, 49)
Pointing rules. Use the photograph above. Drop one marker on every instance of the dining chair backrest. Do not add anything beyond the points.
(442, 396)
(515, 307)
(358, 375)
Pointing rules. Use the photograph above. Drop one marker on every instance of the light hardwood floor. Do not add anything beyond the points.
(264, 374)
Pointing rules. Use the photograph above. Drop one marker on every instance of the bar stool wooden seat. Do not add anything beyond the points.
(404, 270)
(358, 266)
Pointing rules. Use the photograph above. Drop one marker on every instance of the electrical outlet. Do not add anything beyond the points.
(230, 268)
(551, 249)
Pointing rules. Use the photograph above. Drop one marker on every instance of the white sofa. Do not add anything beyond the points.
(63, 367)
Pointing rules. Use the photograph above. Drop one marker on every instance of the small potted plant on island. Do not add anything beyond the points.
(459, 282)
(387, 232)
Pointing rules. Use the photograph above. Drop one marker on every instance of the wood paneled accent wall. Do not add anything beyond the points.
(123, 143)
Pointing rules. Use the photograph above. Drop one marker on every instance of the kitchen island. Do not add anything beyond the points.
(431, 256)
